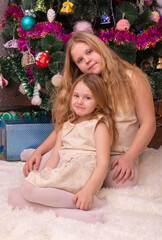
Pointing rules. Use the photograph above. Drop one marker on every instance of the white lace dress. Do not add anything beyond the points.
(77, 159)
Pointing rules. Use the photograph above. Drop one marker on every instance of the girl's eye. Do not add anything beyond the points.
(89, 51)
(87, 98)
(75, 95)
(80, 59)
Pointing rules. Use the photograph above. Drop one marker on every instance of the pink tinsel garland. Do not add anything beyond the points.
(13, 11)
(41, 29)
(144, 40)
(147, 39)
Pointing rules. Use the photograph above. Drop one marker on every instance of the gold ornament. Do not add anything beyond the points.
(27, 59)
(67, 8)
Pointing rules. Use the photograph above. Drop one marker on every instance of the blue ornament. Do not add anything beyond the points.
(105, 19)
(27, 22)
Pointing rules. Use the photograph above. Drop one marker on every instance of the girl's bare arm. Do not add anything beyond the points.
(84, 197)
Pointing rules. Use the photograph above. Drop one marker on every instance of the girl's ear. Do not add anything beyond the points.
(97, 108)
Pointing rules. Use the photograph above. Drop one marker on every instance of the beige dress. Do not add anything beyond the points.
(77, 159)
(127, 126)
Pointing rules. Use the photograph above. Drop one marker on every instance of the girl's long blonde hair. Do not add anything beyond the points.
(114, 73)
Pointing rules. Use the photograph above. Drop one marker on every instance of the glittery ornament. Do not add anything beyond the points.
(67, 8)
(11, 44)
(155, 16)
(3, 82)
(42, 59)
(40, 6)
(36, 100)
(51, 15)
(105, 19)
(27, 59)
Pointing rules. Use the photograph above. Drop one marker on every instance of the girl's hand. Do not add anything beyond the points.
(83, 199)
(124, 169)
(34, 159)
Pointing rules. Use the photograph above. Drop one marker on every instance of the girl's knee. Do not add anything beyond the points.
(27, 190)
(109, 182)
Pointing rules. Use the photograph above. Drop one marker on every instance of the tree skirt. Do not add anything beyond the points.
(130, 214)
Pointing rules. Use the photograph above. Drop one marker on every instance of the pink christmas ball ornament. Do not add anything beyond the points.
(123, 25)
(148, 3)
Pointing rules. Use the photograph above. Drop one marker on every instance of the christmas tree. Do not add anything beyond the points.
(35, 34)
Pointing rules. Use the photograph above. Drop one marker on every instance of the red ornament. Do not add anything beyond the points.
(42, 59)
(148, 3)
(3, 82)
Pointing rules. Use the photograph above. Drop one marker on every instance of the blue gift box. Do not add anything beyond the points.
(20, 134)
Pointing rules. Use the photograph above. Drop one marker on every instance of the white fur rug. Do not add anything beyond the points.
(130, 214)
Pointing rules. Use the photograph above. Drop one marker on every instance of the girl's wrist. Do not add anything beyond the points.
(90, 190)
(131, 155)
(39, 151)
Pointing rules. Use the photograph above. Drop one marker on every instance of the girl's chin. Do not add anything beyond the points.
(94, 71)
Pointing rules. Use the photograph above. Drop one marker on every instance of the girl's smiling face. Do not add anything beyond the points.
(86, 59)
(83, 102)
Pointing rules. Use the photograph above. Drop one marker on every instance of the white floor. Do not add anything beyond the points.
(130, 214)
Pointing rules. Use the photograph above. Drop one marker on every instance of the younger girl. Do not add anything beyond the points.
(79, 160)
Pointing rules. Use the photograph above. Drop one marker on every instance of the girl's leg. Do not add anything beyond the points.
(16, 199)
(53, 197)
(91, 216)
(109, 182)
(28, 152)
